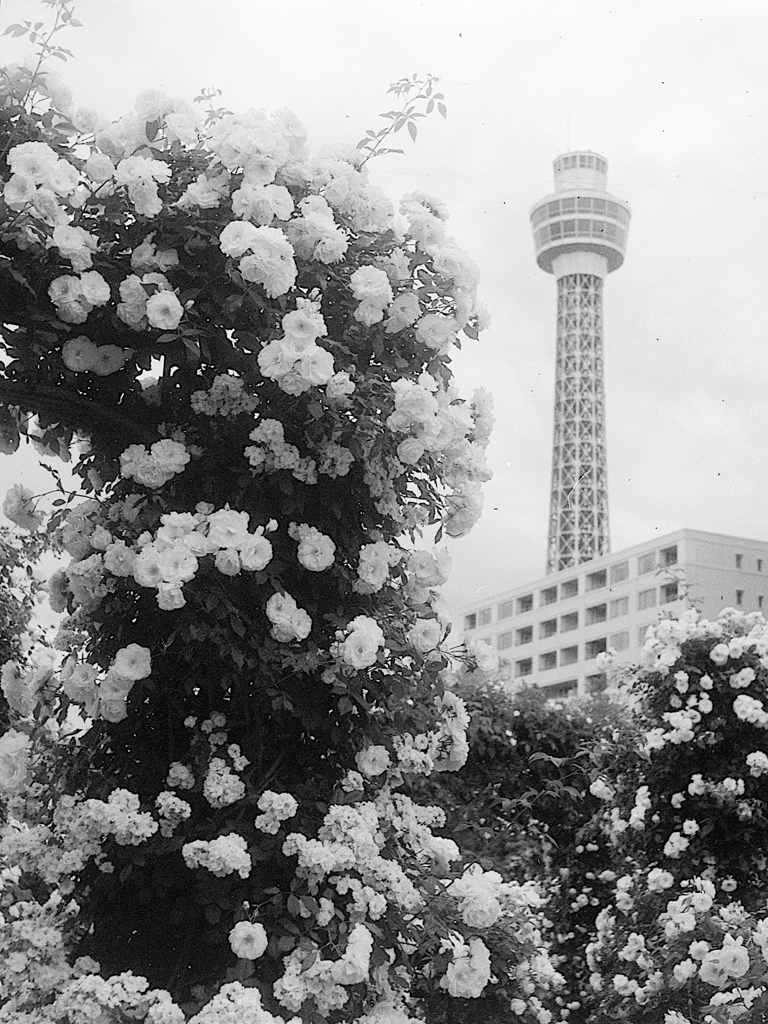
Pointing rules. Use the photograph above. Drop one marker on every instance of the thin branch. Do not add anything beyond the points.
(36, 397)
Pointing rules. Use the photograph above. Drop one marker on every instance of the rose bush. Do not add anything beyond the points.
(684, 816)
(642, 819)
(241, 339)
(523, 805)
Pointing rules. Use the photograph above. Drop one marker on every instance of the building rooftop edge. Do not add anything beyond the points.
(602, 560)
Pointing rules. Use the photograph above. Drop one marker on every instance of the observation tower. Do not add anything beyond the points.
(580, 233)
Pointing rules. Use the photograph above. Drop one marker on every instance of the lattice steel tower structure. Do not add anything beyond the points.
(580, 233)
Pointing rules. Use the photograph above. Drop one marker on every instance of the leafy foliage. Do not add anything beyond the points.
(414, 91)
(257, 358)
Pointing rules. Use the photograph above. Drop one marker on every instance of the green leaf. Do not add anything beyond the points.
(294, 905)
(308, 960)
(193, 350)
(412, 130)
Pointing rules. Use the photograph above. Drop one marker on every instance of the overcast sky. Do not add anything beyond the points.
(674, 93)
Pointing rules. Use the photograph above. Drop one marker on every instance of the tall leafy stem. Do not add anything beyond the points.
(407, 116)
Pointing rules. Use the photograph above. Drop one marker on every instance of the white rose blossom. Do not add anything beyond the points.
(133, 662)
(20, 507)
(248, 941)
(316, 550)
(373, 760)
(14, 753)
(289, 622)
(361, 646)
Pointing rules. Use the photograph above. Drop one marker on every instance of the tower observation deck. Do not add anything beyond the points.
(580, 233)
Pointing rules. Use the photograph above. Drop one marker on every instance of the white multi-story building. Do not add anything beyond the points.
(551, 631)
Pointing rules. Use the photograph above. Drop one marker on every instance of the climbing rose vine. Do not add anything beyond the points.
(245, 350)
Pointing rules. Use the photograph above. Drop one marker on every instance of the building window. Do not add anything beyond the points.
(739, 598)
(760, 601)
(619, 641)
(547, 661)
(597, 613)
(562, 689)
(759, 565)
(594, 647)
(470, 621)
(569, 622)
(523, 667)
(619, 606)
(548, 628)
(524, 635)
(646, 598)
(569, 655)
(669, 592)
(506, 608)
(548, 596)
(619, 573)
(739, 560)
(641, 635)
(595, 580)
(525, 604)
(484, 617)
(504, 641)
(646, 563)
(569, 589)
(596, 683)
(668, 556)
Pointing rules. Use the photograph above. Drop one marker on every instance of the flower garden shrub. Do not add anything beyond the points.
(693, 801)
(686, 812)
(526, 771)
(578, 863)
(676, 952)
(258, 354)
(522, 805)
